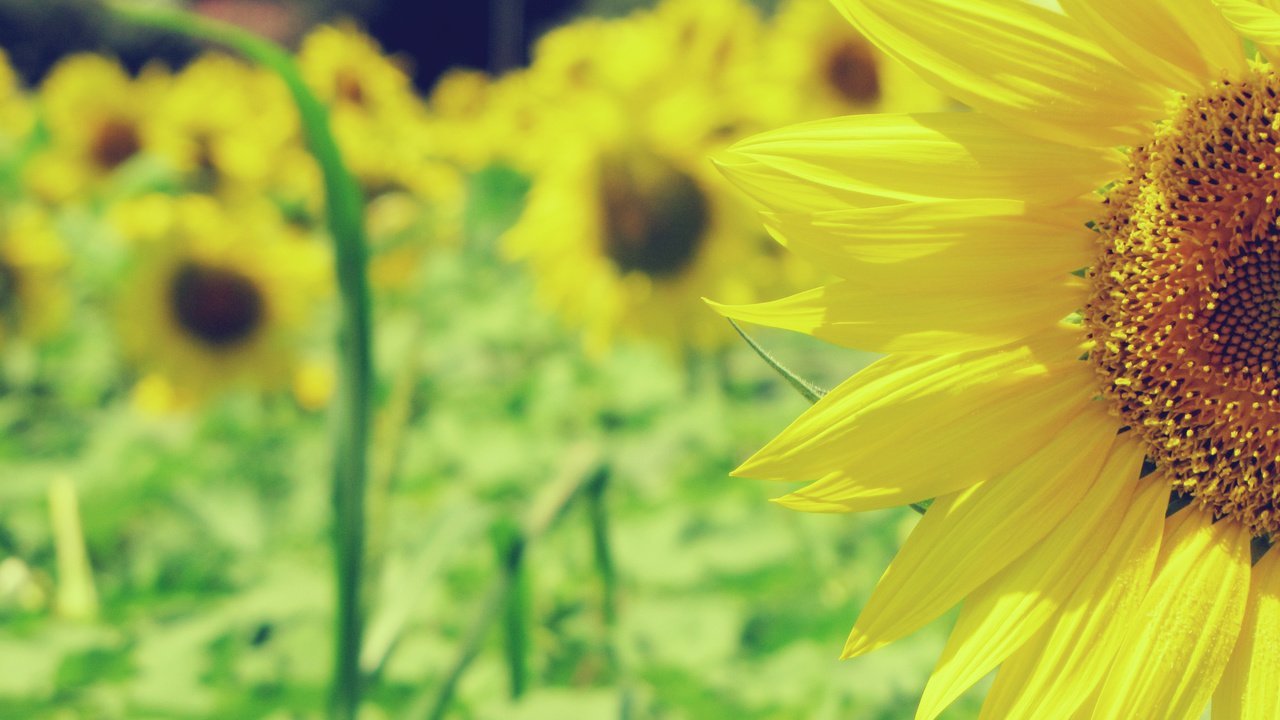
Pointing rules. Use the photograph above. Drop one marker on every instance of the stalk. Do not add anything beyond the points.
(344, 213)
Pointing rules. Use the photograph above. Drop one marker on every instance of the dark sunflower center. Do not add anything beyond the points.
(115, 142)
(654, 216)
(1186, 304)
(1242, 326)
(218, 307)
(349, 87)
(851, 71)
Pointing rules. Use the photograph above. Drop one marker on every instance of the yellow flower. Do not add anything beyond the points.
(98, 119)
(219, 295)
(34, 298)
(822, 67)
(374, 112)
(203, 125)
(626, 225)
(624, 240)
(1119, 170)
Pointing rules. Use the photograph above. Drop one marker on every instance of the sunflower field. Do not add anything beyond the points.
(548, 527)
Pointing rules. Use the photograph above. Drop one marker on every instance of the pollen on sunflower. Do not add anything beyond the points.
(1185, 309)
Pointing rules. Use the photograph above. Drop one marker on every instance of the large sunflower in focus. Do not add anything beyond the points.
(1076, 286)
(219, 295)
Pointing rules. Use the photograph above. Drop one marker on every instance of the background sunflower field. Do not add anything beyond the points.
(551, 528)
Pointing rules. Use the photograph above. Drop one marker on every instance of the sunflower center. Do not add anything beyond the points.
(653, 216)
(349, 87)
(850, 70)
(1186, 298)
(219, 307)
(115, 142)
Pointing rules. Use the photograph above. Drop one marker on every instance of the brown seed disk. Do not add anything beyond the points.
(852, 72)
(219, 307)
(1185, 310)
(115, 141)
(653, 215)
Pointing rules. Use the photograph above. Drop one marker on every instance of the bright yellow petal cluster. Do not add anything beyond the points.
(963, 243)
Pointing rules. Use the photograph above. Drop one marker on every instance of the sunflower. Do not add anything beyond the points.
(823, 67)
(201, 127)
(219, 295)
(624, 240)
(1076, 287)
(98, 118)
(626, 225)
(374, 111)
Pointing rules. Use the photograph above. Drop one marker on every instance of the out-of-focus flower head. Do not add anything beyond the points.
(820, 66)
(98, 118)
(217, 295)
(627, 224)
(226, 125)
(373, 109)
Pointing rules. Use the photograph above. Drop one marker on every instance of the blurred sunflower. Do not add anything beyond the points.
(1135, 140)
(626, 225)
(821, 67)
(201, 126)
(34, 298)
(98, 119)
(374, 112)
(625, 240)
(219, 295)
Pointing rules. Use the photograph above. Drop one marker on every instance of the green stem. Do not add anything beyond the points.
(808, 390)
(603, 551)
(510, 546)
(595, 490)
(580, 468)
(344, 213)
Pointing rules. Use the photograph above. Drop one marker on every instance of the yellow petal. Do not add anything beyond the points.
(872, 160)
(1057, 669)
(986, 411)
(1174, 42)
(982, 241)
(1000, 616)
(1177, 644)
(910, 317)
(1027, 66)
(1260, 23)
(1250, 687)
(967, 537)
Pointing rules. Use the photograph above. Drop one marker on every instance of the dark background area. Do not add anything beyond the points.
(433, 34)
